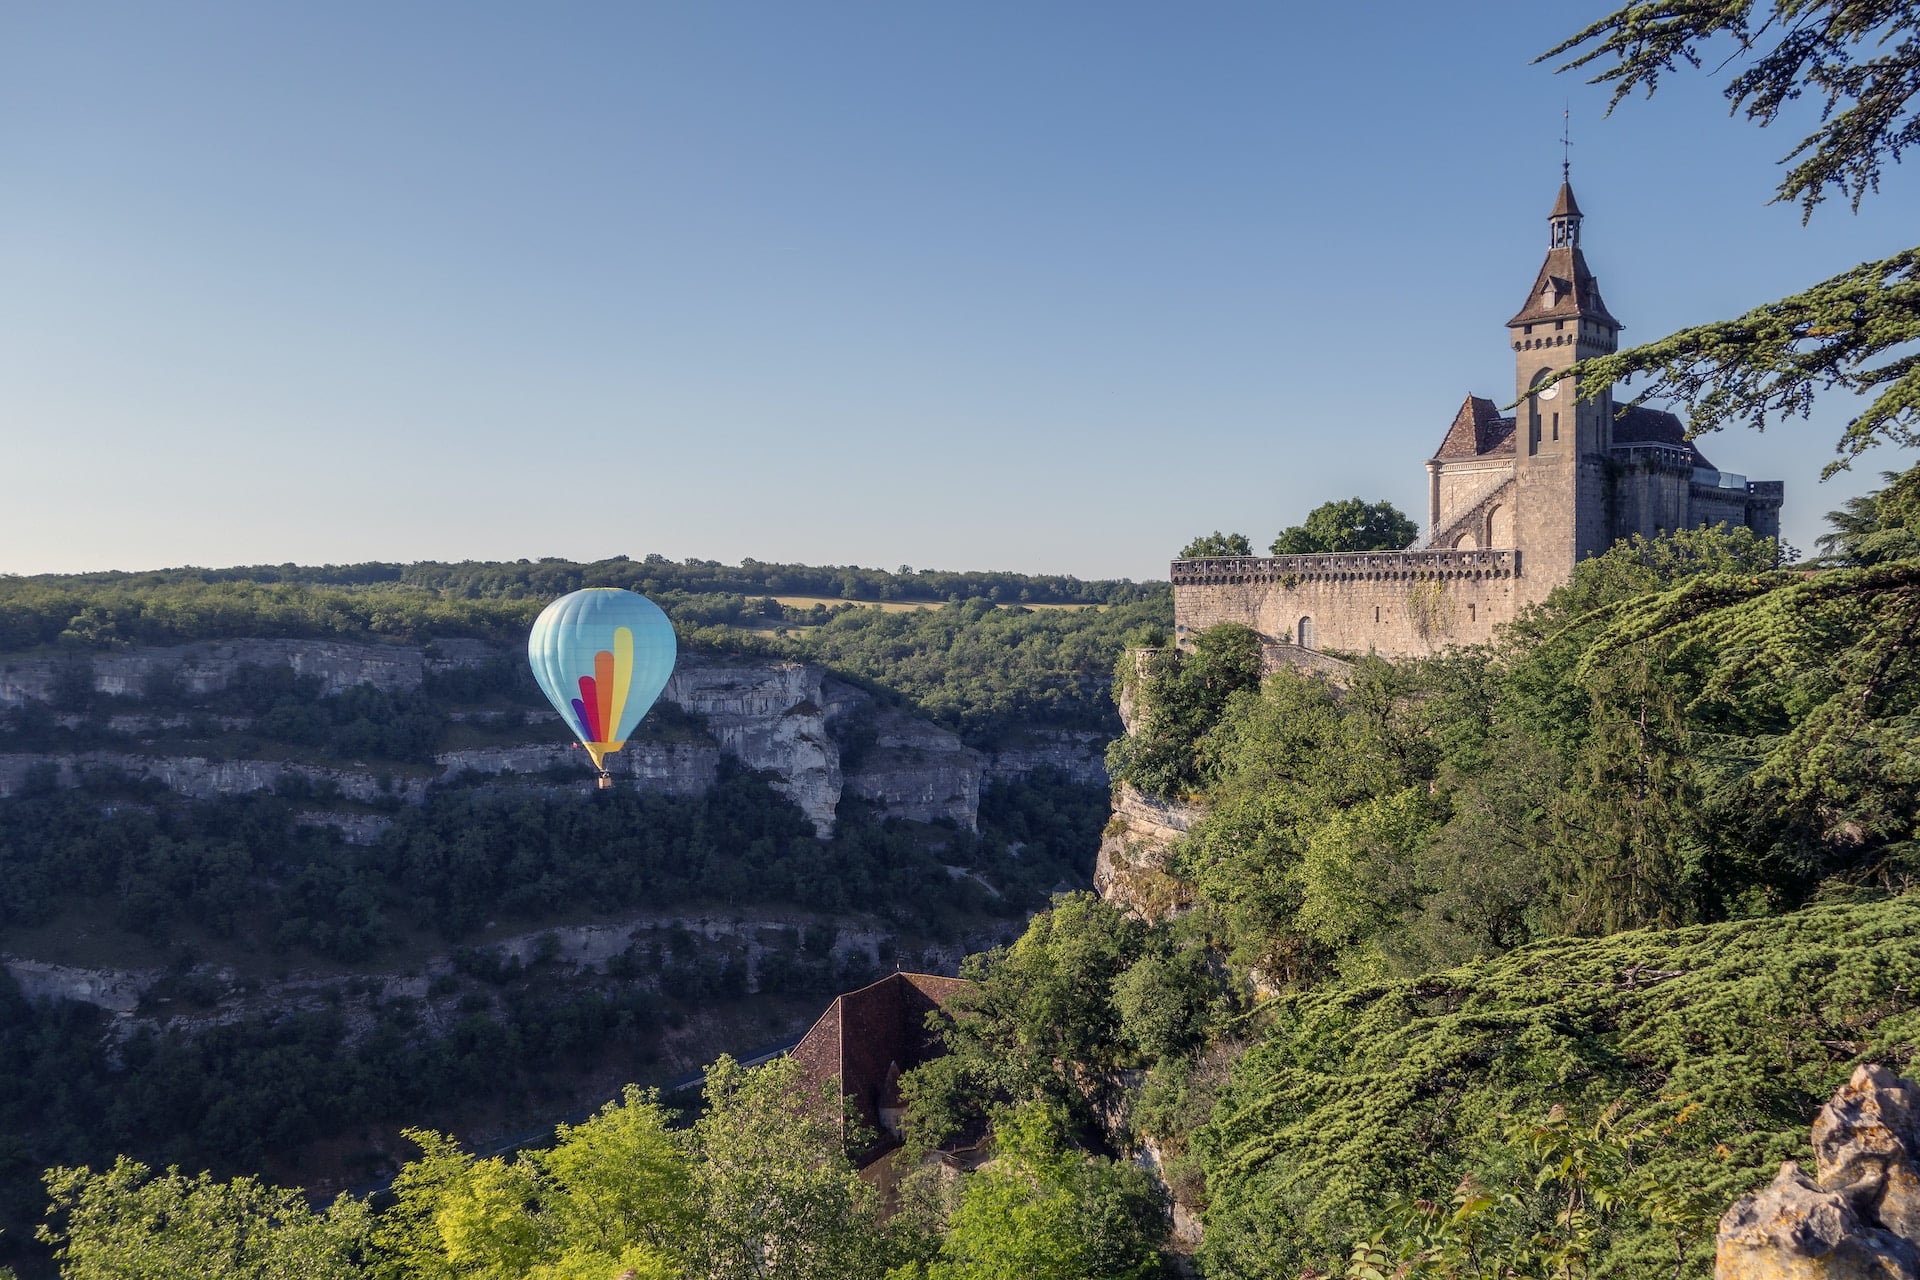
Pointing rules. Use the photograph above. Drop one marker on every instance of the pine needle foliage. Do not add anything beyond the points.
(1710, 1047)
(1875, 527)
(1814, 679)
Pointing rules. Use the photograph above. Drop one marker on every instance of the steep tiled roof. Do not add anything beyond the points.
(1478, 431)
(866, 1038)
(1564, 290)
(1637, 424)
(1565, 206)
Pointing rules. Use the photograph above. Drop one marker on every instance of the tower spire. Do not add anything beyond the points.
(1565, 218)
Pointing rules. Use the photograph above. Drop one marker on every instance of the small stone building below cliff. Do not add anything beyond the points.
(1513, 503)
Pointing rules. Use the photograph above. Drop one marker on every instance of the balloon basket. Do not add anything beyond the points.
(606, 780)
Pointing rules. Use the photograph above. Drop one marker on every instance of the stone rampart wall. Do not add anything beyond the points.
(1394, 603)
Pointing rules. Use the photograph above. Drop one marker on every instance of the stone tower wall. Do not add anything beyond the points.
(1648, 493)
(1763, 507)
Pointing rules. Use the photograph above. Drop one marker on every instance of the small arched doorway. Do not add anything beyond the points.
(1304, 632)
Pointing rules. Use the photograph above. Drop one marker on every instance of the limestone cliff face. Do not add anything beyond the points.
(202, 779)
(1080, 754)
(770, 716)
(115, 990)
(918, 771)
(354, 828)
(206, 666)
(780, 718)
(677, 768)
(133, 996)
(1130, 871)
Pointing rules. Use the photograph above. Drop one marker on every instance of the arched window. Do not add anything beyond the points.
(1466, 542)
(1305, 631)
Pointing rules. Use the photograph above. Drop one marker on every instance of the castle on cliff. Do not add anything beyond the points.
(1512, 503)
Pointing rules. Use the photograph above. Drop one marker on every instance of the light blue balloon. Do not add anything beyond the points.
(602, 656)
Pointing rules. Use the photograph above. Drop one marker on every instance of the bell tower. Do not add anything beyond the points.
(1560, 444)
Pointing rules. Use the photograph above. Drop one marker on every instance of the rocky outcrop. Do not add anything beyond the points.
(202, 779)
(1187, 1228)
(139, 997)
(450, 654)
(1859, 1219)
(677, 768)
(115, 990)
(1126, 695)
(1130, 871)
(354, 828)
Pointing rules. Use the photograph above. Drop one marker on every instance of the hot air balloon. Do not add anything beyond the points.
(602, 656)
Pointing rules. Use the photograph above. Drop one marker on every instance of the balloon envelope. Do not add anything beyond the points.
(601, 656)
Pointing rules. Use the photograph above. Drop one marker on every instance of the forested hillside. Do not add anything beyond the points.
(1517, 961)
(313, 908)
(961, 646)
(1595, 917)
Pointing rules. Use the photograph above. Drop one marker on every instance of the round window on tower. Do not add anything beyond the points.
(1546, 384)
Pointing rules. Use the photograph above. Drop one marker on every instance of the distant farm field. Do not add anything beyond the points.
(905, 606)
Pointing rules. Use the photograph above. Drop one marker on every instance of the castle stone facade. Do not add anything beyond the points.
(1512, 502)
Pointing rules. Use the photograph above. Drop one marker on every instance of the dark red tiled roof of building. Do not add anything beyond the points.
(1478, 431)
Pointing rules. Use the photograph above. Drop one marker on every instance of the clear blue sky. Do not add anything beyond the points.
(1047, 287)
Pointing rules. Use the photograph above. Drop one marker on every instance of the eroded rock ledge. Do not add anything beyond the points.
(1131, 869)
(1858, 1218)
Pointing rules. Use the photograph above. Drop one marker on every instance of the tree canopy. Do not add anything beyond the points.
(1879, 526)
(1349, 524)
(1209, 545)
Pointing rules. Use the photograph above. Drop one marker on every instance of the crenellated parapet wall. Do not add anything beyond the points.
(1346, 566)
(1395, 603)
